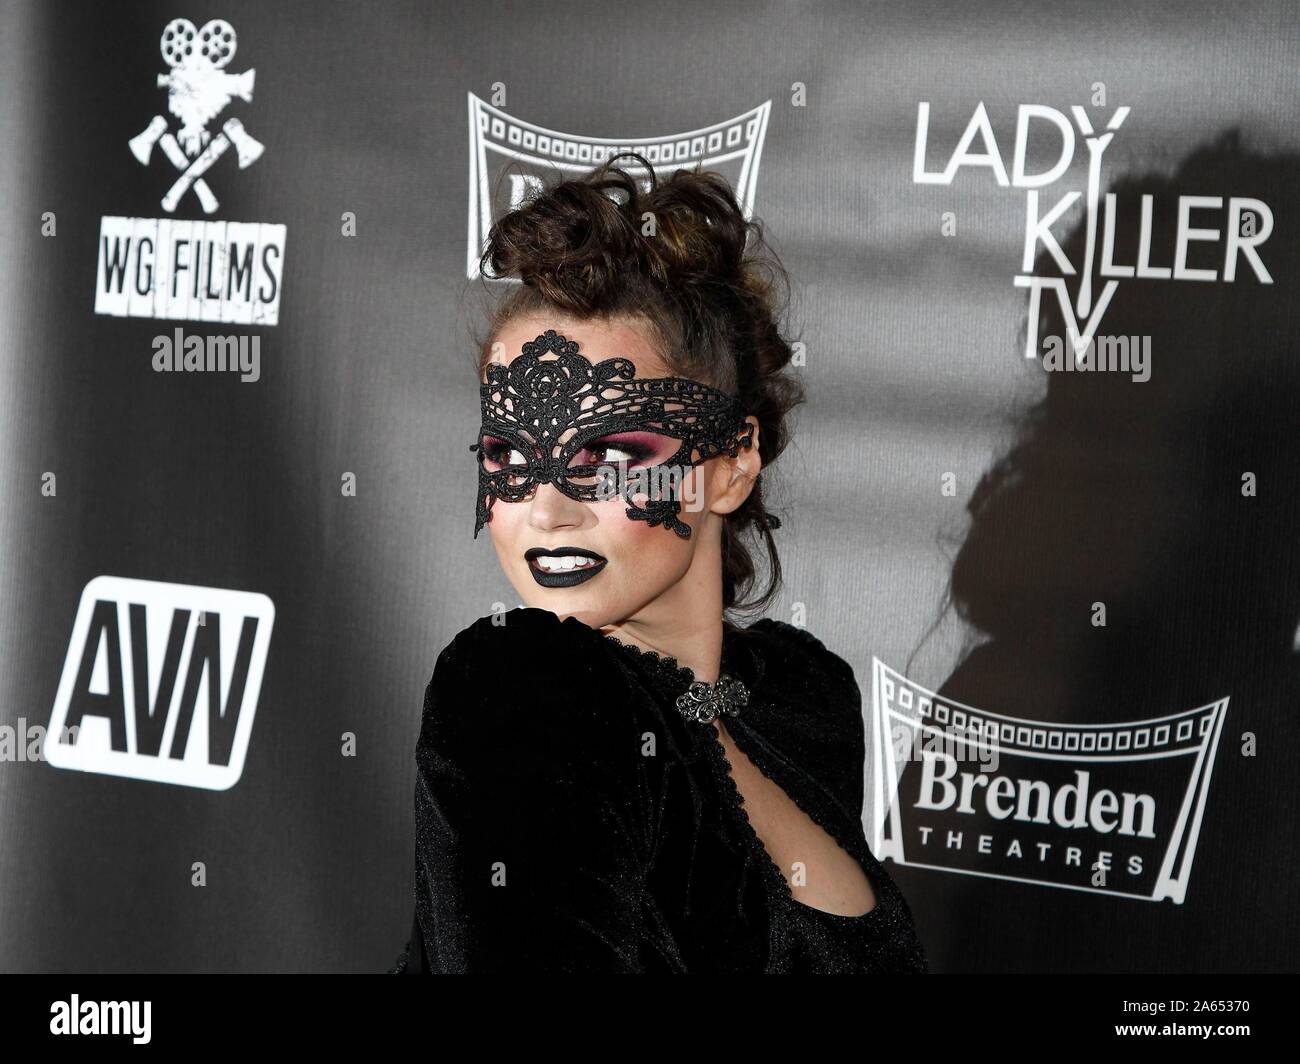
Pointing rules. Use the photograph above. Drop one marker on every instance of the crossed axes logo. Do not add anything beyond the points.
(198, 90)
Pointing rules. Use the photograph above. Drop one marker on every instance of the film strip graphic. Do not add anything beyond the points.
(1107, 808)
(534, 155)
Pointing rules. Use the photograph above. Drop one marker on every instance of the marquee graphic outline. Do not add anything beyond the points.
(734, 146)
(1192, 733)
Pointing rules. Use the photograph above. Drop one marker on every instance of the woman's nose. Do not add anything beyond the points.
(551, 508)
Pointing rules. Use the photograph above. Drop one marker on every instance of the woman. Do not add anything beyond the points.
(616, 777)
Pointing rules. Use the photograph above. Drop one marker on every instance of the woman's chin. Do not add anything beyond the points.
(566, 606)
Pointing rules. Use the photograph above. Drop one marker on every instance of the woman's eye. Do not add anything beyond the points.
(611, 454)
(503, 454)
(614, 453)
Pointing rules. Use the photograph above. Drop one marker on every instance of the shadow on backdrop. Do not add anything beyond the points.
(1130, 494)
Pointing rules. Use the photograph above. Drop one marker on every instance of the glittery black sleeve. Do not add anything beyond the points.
(831, 728)
(529, 805)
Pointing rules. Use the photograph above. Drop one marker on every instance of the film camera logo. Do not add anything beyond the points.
(161, 682)
(1106, 808)
(198, 89)
(193, 270)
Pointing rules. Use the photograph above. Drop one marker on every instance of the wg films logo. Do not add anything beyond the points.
(498, 140)
(161, 682)
(1247, 226)
(216, 271)
(1107, 808)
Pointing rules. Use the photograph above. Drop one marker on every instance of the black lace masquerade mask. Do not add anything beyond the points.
(529, 404)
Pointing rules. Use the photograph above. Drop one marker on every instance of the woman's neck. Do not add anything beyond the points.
(685, 623)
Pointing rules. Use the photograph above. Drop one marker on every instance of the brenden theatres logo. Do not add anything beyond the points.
(1109, 808)
(161, 682)
(193, 270)
(497, 139)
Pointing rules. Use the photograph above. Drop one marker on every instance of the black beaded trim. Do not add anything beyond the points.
(697, 700)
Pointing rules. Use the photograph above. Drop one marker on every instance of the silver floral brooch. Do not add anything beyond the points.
(704, 701)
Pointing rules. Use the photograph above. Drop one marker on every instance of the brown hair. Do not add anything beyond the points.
(704, 280)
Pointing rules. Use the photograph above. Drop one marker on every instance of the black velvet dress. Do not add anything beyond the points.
(569, 819)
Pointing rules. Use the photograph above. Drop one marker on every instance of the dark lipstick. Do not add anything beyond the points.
(567, 577)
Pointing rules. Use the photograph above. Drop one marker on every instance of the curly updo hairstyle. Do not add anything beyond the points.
(704, 280)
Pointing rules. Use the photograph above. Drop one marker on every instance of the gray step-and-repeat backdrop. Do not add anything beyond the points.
(1043, 495)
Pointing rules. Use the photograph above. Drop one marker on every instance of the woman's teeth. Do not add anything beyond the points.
(558, 565)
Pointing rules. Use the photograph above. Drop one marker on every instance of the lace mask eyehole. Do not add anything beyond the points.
(503, 456)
